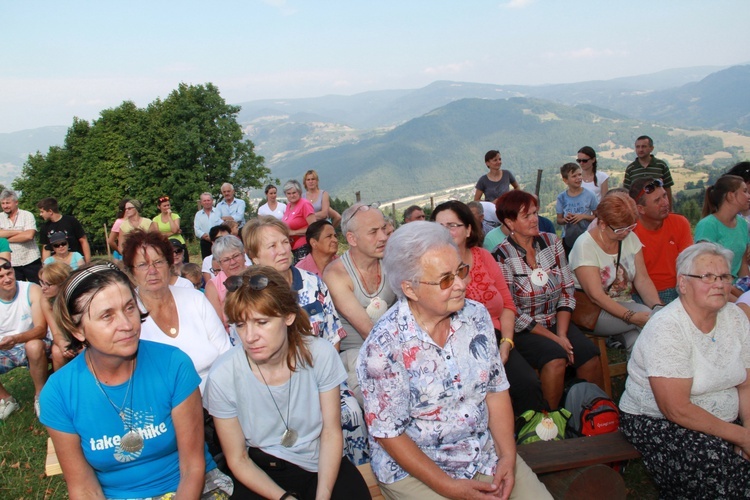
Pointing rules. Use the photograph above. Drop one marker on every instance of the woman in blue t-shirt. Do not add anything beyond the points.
(125, 416)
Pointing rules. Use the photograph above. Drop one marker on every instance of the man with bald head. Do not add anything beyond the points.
(231, 208)
(357, 282)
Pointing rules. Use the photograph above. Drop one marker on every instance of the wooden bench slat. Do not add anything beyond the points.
(552, 456)
(51, 464)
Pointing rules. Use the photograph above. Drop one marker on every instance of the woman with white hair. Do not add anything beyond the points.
(435, 392)
(686, 405)
(229, 252)
(299, 214)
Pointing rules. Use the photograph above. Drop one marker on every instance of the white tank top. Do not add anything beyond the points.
(15, 316)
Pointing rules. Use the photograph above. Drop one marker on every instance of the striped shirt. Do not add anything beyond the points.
(656, 169)
(537, 303)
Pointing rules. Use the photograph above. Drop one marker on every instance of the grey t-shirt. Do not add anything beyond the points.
(491, 189)
(232, 390)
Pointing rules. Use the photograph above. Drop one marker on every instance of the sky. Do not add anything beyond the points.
(60, 59)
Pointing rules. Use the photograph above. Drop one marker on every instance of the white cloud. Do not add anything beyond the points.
(451, 68)
(518, 4)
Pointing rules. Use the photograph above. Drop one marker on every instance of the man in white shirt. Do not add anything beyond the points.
(19, 227)
(206, 218)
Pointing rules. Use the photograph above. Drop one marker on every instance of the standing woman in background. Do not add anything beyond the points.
(496, 181)
(299, 214)
(272, 206)
(114, 233)
(320, 200)
(596, 182)
(132, 220)
(168, 223)
(722, 221)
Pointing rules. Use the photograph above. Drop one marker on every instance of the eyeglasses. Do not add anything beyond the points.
(129, 208)
(650, 188)
(46, 284)
(621, 230)
(447, 280)
(452, 225)
(145, 266)
(581, 161)
(58, 245)
(711, 278)
(228, 260)
(163, 199)
(256, 282)
(361, 208)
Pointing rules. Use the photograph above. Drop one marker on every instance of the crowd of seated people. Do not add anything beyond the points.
(390, 304)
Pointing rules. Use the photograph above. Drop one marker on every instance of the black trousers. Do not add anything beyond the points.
(29, 272)
(205, 248)
(349, 483)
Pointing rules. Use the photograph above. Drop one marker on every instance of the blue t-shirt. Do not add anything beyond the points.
(71, 402)
(583, 203)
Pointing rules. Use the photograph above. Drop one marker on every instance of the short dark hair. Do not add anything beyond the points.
(742, 169)
(568, 169)
(463, 212)
(213, 233)
(490, 154)
(637, 186)
(410, 210)
(48, 204)
(510, 204)
(140, 240)
(650, 140)
(315, 229)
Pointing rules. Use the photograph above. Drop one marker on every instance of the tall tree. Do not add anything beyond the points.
(182, 146)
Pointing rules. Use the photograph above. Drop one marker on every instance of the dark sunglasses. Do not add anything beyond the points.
(256, 282)
(650, 188)
(6, 265)
(583, 160)
(177, 250)
(58, 245)
(447, 280)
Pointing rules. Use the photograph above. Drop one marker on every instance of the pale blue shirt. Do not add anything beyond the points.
(235, 210)
(202, 223)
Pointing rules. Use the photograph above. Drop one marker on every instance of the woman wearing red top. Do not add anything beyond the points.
(299, 214)
(486, 284)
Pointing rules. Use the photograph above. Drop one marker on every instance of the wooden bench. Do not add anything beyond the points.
(608, 370)
(574, 468)
(51, 464)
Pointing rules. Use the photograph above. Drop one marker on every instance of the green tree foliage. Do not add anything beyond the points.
(181, 146)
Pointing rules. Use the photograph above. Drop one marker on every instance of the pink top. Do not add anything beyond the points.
(296, 218)
(218, 282)
(308, 264)
(488, 285)
(116, 226)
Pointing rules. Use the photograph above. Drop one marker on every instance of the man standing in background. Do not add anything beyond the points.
(231, 208)
(54, 221)
(647, 165)
(19, 227)
(206, 218)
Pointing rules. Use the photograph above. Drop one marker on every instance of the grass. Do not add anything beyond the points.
(23, 447)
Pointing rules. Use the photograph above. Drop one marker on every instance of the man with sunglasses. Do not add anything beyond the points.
(647, 165)
(23, 335)
(357, 282)
(19, 227)
(663, 234)
(55, 222)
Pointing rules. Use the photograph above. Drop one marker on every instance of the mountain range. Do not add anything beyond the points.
(393, 143)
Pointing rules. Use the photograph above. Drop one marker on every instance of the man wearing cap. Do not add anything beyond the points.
(23, 335)
(19, 227)
(663, 234)
(54, 221)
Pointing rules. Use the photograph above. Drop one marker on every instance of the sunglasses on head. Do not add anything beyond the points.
(163, 199)
(650, 188)
(58, 245)
(256, 282)
(6, 265)
(447, 281)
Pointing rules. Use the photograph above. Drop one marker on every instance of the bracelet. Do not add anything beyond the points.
(510, 341)
(626, 317)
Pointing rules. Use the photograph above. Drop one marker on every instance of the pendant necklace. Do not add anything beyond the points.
(539, 276)
(290, 435)
(131, 442)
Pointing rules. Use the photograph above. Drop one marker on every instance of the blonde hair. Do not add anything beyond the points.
(251, 233)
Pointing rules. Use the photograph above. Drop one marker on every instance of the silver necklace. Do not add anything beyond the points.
(290, 435)
(131, 442)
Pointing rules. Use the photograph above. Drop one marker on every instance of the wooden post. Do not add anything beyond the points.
(106, 238)
(393, 213)
(538, 182)
(357, 197)
(432, 204)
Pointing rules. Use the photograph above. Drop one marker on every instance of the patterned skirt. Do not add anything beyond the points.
(687, 464)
